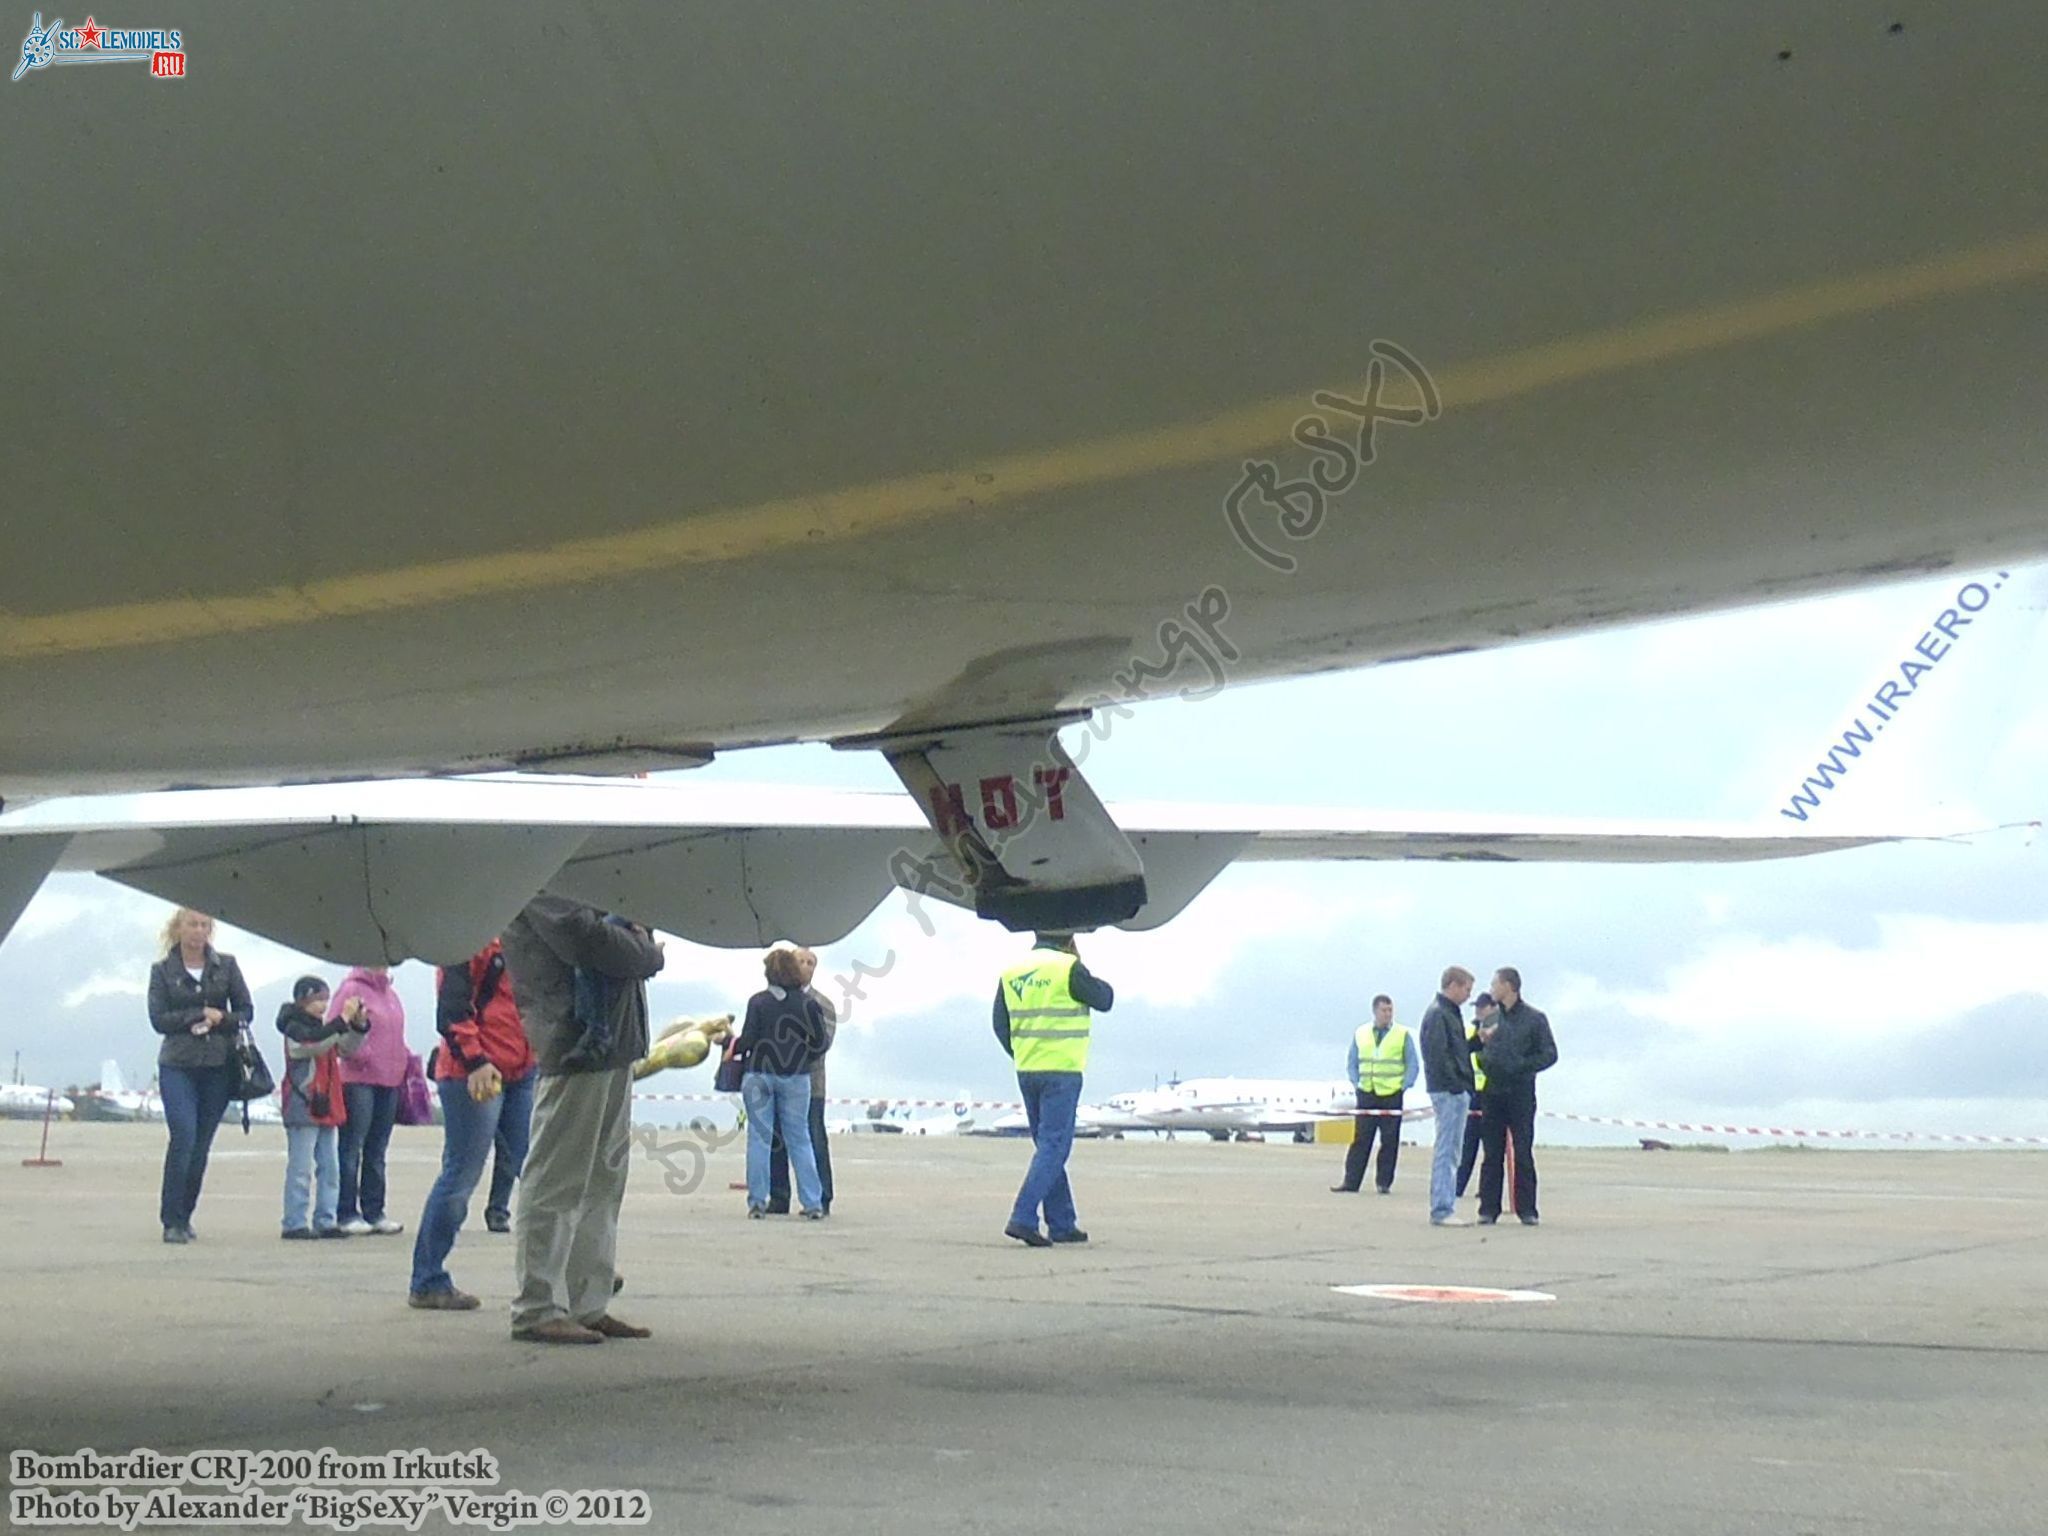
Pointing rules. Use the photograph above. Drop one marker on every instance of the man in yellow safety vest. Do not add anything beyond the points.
(1042, 1016)
(1382, 1066)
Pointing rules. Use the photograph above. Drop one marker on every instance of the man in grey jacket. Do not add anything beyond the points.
(574, 1180)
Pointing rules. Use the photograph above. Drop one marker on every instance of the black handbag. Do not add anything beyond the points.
(731, 1069)
(252, 1073)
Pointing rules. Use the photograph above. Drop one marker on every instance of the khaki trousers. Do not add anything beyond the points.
(570, 1191)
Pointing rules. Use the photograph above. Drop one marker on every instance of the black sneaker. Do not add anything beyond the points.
(1530, 1221)
(814, 1215)
(334, 1232)
(176, 1235)
(1030, 1237)
(298, 1234)
(1076, 1235)
(497, 1221)
(1487, 1221)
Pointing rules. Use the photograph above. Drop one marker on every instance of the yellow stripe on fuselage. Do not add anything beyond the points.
(736, 533)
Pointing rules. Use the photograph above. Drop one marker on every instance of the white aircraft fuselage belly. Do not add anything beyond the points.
(420, 389)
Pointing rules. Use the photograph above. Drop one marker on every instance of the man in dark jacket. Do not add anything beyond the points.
(1447, 1073)
(574, 1180)
(1516, 1047)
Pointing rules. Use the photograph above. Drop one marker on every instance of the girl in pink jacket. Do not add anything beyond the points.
(371, 1079)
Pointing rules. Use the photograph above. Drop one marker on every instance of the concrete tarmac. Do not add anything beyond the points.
(1773, 1341)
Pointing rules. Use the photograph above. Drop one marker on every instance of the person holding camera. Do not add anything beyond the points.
(197, 1002)
(314, 1105)
(371, 1079)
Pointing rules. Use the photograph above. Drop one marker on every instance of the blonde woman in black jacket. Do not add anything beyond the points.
(197, 1000)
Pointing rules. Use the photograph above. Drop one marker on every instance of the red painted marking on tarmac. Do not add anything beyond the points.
(1456, 1295)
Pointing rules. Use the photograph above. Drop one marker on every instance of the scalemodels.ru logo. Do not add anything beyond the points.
(162, 49)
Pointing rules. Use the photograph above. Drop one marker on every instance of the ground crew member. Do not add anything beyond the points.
(1042, 1017)
(1483, 1010)
(1383, 1065)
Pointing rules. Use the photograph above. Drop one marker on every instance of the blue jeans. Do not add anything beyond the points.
(1050, 1100)
(310, 1156)
(194, 1099)
(1450, 1110)
(469, 1131)
(821, 1154)
(371, 1110)
(515, 1126)
(777, 1102)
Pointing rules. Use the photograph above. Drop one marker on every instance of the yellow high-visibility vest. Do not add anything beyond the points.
(1383, 1064)
(1478, 1075)
(1048, 1028)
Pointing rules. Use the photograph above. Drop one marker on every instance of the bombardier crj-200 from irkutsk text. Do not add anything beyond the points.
(918, 410)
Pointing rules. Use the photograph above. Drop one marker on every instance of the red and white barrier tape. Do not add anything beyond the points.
(1424, 1113)
(1795, 1133)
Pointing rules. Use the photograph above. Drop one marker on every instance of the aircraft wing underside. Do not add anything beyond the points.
(381, 871)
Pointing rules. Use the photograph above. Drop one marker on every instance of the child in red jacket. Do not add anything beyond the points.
(314, 1105)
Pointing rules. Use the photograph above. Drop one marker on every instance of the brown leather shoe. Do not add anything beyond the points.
(614, 1328)
(443, 1301)
(558, 1330)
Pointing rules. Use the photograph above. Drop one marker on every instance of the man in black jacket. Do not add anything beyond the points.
(1447, 1074)
(1512, 1050)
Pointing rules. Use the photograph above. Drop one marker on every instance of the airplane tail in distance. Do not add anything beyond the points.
(1934, 736)
(110, 1078)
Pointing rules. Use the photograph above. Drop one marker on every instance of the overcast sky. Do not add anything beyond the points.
(1889, 988)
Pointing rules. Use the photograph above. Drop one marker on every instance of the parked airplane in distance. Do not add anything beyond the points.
(1227, 1107)
(261, 1112)
(114, 1100)
(28, 1101)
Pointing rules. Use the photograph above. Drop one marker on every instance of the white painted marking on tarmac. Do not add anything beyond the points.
(1850, 1466)
(1445, 1294)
